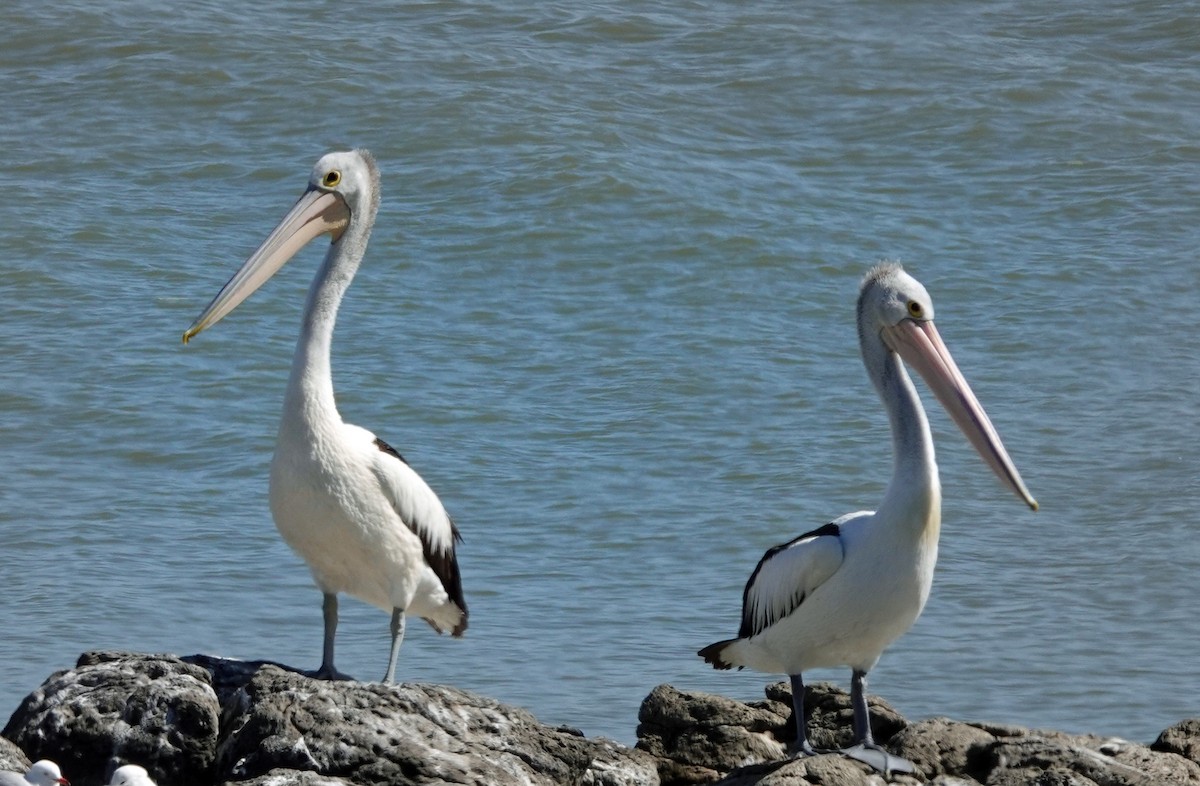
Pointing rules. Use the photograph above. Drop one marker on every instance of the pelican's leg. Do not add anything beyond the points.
(862, 714)
(329, 607)
(801, 747)
(397, 638)
(865, 749)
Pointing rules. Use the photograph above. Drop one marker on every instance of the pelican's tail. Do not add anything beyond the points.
(715, 654)
(448, 618)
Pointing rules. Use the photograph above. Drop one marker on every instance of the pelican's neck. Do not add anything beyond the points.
(914, 487)
(310, 388)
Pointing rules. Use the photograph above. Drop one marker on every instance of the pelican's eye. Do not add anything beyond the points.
(914, 310)
(332, 178)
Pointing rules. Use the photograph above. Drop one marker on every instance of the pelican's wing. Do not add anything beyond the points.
(422, 512)
(786, 575)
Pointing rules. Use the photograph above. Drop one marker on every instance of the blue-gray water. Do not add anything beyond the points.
(607, 311)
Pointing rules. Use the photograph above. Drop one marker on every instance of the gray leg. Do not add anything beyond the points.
(865, 748)
(801, 747)
(862, 715)
(397, 638)
(329, 610)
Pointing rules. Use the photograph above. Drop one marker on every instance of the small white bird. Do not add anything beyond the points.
(131, 775)
(839, 595)
(365, 522)
(42, 773)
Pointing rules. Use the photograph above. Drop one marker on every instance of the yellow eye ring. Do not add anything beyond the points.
(914, 309)
(331, 179)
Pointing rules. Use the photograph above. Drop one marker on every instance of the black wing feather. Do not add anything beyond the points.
(444, 562)
(747, 628)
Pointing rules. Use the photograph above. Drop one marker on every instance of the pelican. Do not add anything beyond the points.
(837, 596)
(42, 773)
(342, 498)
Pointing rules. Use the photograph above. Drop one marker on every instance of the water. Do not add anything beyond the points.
(607, 313)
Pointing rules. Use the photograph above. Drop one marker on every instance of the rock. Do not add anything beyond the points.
(831, 717)
(698, 738)
(204, 721)
(1082, 760)
(807, 772)
(940, 746)
(12, 758)
(385, 734)
(117, 708)
(696, 735)
(1183, 738)
(199, 721)
(294, 778)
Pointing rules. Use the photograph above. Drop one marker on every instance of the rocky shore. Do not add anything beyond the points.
(199, 721)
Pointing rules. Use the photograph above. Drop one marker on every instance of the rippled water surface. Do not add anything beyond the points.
(607, 311)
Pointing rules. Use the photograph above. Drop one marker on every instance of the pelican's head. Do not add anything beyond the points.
(895, 309)
(889, 296)
(350, 175)
(46, 773)
(343, 188)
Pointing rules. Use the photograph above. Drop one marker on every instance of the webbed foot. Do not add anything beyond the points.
(801, 749)
(327, 672)
(877, 757)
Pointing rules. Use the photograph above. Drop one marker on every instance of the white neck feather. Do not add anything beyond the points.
(310, 388)
(914, 490)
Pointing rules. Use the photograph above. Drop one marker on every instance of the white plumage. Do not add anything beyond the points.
(839, 595)
(131, 775)
(364, 521)
(43, 773)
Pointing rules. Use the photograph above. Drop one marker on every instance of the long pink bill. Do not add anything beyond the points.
(920, 345)
(316, 213)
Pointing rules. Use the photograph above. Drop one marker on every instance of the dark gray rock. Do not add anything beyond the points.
(117, 708)
(200, 720)
(827, 769)
(701, 738)
(830, 716)
(940, 746)
(292, 778)
(1183, 738)
(1052, 757)
(369, 733)
(697, 736)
